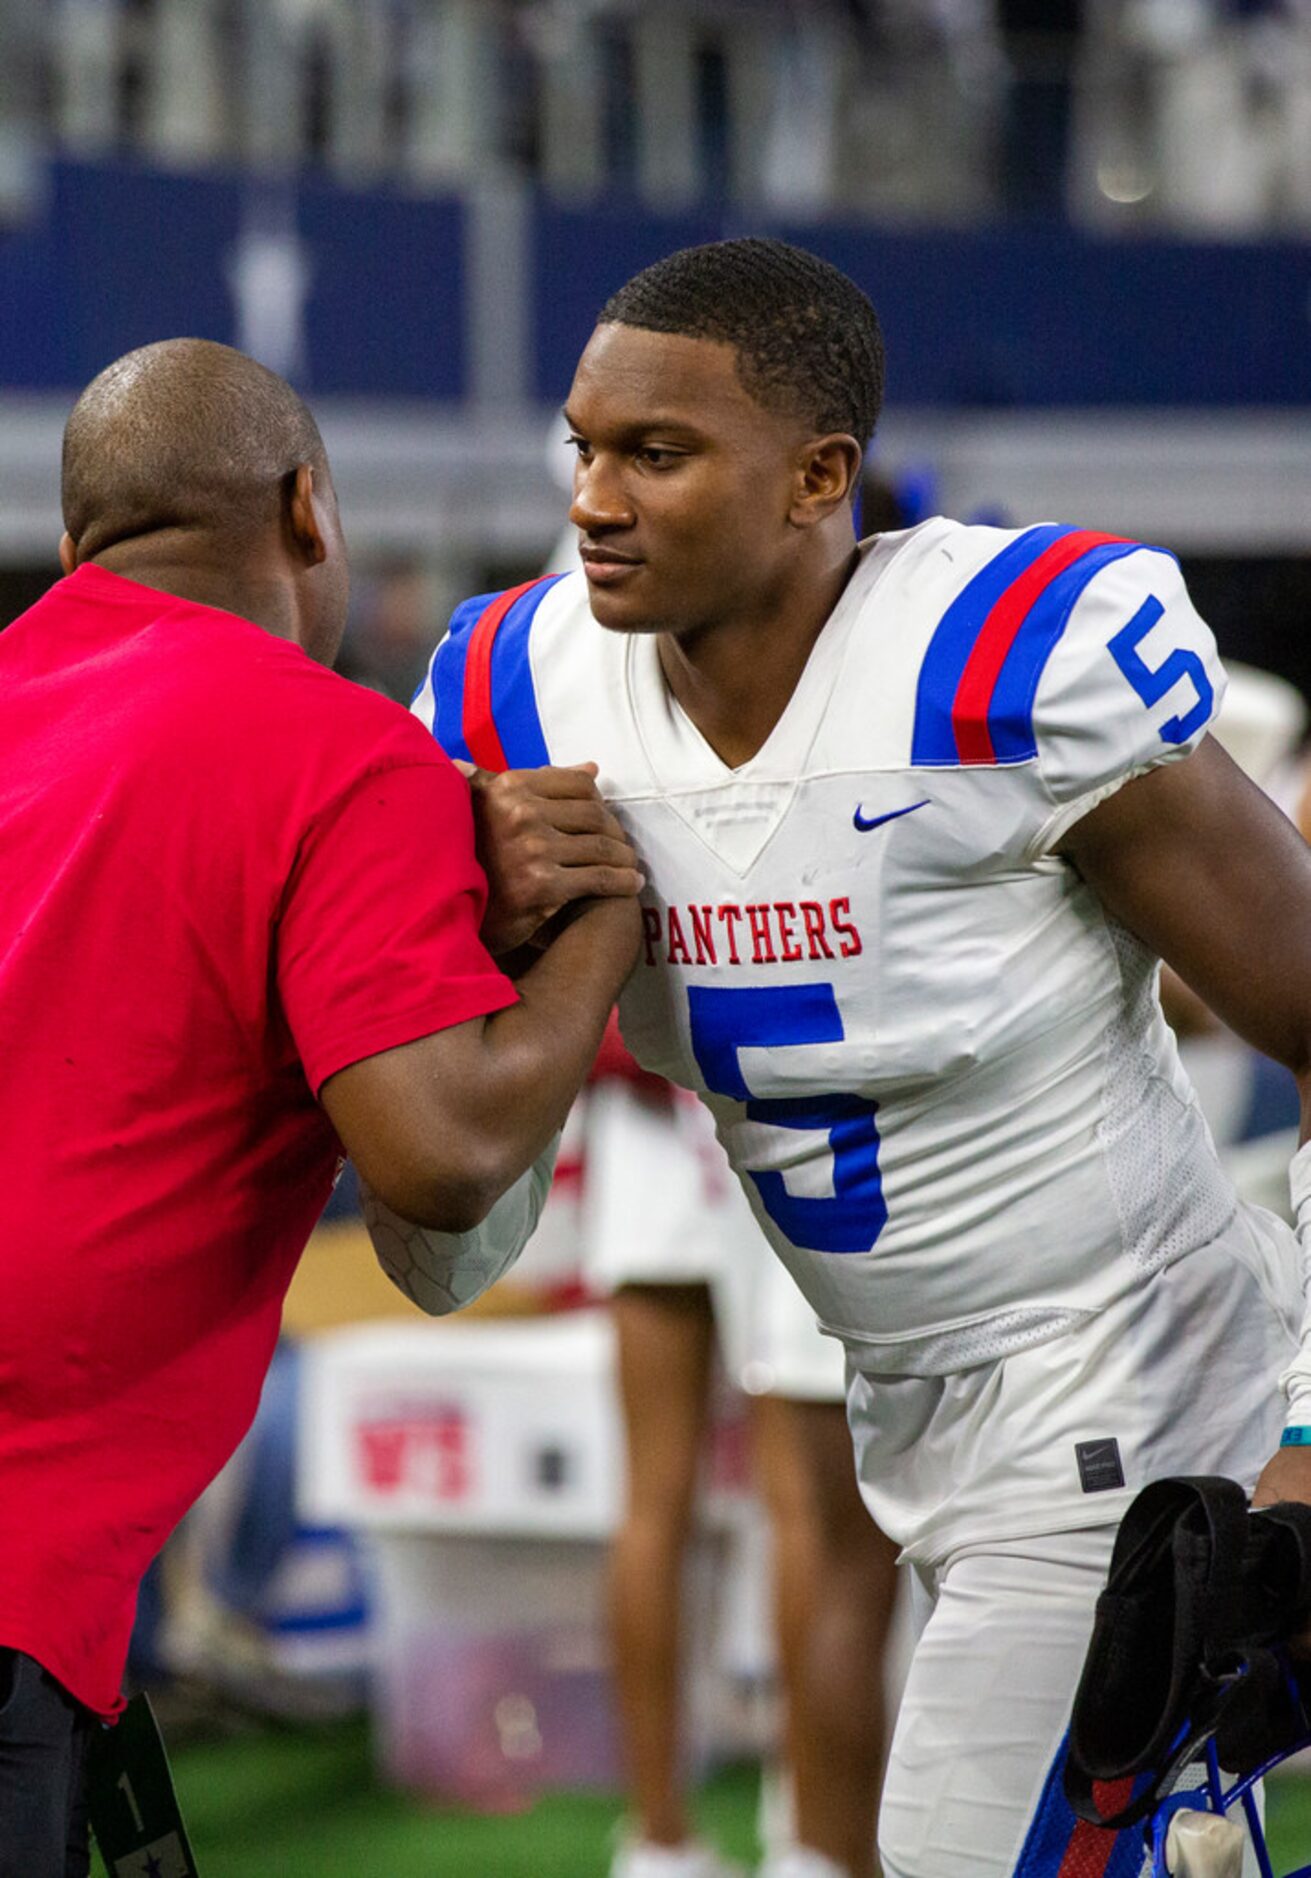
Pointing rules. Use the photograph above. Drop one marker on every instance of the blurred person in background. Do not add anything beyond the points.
(675, 1246)
(389, 630)
(920, 816)
(243, 913)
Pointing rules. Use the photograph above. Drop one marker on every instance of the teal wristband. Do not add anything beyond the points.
(1295, 1438)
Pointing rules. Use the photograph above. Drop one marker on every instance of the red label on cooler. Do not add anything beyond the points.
(418, 1451)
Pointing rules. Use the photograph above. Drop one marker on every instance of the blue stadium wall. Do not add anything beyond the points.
(1001, 319)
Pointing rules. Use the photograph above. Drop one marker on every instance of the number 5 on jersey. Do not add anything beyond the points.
(1152, 682)
(726, 1020)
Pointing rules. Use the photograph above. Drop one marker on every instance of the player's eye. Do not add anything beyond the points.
(580, 444)
(655, 456)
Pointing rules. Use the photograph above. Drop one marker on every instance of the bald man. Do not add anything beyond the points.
(241, 919)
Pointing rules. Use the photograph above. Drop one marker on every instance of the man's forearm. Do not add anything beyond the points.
(441, 1127)
(540, 1050)
(443, 1271)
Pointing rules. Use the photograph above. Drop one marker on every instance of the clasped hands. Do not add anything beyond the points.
(547, 843)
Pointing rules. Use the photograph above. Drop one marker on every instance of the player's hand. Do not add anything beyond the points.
(545, 838)
(1286, 1476)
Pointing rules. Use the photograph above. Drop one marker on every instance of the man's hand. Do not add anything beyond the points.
(1286, 1476)
(545, 838)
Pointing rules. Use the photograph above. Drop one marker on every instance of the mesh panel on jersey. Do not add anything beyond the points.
(966, 1345)
(1169, 1189)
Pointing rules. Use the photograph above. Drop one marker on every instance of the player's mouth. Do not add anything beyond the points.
(605, 568)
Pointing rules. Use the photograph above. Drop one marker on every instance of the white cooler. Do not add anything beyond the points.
(485, 1460)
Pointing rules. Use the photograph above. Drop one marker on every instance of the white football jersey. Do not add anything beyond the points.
(939, 1068)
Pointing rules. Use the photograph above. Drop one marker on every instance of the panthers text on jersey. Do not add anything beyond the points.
(938, 1066)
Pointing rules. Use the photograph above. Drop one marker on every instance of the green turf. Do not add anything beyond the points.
(306, 1804)
(1288, 1820)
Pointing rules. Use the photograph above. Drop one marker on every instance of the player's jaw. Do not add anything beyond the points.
(615, 579)
(665, 591)
(642, 580)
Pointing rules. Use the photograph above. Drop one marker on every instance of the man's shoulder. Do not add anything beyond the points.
(171, 663)
(311, 710)
(265, 710)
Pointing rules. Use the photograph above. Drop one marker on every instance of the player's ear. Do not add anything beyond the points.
(305, 519)
(828, 469)
(67, 553)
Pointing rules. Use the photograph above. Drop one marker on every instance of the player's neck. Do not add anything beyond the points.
(735, 677)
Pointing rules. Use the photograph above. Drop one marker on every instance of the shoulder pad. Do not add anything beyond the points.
(979, 679)
(478, 697)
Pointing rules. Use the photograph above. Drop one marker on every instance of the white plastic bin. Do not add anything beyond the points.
(485, 1461)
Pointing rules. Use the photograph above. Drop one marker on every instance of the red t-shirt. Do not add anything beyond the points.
(225, 873)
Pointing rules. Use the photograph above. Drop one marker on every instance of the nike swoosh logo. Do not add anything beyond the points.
(858, 821)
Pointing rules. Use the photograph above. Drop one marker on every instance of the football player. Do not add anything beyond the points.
(919, 817)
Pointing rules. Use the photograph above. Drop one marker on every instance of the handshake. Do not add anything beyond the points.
(548, 844)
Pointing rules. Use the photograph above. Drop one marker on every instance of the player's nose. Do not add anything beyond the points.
(600, 501)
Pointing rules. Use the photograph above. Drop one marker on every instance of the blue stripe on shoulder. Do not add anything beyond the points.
(933, 740)
(1053, 1827)
(1010, 715)
(514, 701)
(447, 671)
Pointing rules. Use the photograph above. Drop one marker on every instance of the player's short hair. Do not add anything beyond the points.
(183, 434)
(807, 339)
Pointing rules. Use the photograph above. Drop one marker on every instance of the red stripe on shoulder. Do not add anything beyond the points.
(480, 733)
(978, 680)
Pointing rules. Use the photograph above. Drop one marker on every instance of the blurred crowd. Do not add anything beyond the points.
(1192, 114)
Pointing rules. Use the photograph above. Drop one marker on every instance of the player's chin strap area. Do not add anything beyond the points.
(1187, 1644)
